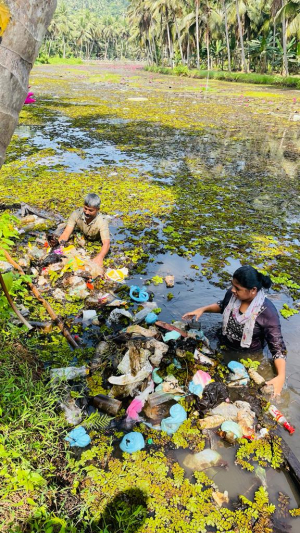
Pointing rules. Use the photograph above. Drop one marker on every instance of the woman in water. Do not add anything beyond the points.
(250, 320)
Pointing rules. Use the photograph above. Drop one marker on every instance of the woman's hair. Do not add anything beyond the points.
(249, 278)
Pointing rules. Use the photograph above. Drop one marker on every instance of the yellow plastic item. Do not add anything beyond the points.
(117, 274)
(75, 263)
(69, 249)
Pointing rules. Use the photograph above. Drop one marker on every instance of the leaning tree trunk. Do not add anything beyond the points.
(21, 41)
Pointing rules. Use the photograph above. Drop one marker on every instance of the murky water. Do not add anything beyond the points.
(230, 153)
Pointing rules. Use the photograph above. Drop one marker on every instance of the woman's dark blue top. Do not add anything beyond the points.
(267, 330)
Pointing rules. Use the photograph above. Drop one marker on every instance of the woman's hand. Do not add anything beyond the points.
(194, 314)
(277, 383)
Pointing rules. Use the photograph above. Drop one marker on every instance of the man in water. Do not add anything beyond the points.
(91, 223)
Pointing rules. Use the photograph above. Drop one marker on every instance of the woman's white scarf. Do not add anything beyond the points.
(248, 318)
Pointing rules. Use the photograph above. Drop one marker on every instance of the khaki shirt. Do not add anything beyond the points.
(95, 230)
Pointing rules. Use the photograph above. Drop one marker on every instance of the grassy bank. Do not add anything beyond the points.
(259, 79)
(56, 60)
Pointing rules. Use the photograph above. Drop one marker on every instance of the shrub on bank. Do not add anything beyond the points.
(259, 79)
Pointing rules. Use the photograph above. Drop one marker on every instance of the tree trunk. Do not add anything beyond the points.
(244, 64)
(169, 43)
(285, 58)
(19, 48)
(227, 35)
(197, 34)
(50, 46)
(208, 49)
(179, 40)
(154, 50)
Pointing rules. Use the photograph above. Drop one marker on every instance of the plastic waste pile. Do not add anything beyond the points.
(149, 370)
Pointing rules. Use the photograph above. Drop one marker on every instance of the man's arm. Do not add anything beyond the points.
(66, 234)
(103, 252)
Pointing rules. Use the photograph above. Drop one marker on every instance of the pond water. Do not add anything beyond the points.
(213, 183)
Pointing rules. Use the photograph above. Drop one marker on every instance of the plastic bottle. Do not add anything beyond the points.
(69, 372)
(280, 418)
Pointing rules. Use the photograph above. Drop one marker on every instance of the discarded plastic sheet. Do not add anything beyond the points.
(140, 316)
(88, 317)
(128, 379)
(170, 384)
(134, 409)
(196, 334)
(211, 422)
(138, 330)
(238, 374)
(198, 356)
(202, 460)
(117, 314)
(79, 291)
(232, 427)
(100, 353)
(261, 475)
(229, 411)
(5, 267)
(213, 394)
(201, 378)
(124, 365)
(138, 294)
(69, 372)
(156, 378)
(179, 325)
(138, 403)
(195, 389)
(116, 303)
(171, 336)
(73, 414)
(177, 416)
(132, 442)
(78, 437)
(160, 349)
(117, 275)
(150, 306)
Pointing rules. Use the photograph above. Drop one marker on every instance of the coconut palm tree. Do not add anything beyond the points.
(21, 37)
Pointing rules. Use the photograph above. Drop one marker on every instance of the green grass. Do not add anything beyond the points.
(65, 61)
(33, 454)
(56, 60)
(259, 79)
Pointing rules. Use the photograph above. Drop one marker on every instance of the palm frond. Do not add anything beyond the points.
(97, 421)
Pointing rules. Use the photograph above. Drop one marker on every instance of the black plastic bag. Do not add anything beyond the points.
(213, 394)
